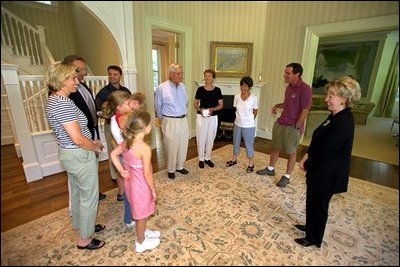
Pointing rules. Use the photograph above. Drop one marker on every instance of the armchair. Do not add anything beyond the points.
(314, 119)
(361, 112)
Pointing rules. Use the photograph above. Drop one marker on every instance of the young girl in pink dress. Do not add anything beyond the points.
(119, 105)
(138, 177)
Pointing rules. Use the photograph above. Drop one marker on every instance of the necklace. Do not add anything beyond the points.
(209, 87)
(60, 94)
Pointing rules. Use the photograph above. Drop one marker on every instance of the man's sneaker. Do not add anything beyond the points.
(284, 181)
(266, 172)
(210, 163)
(147, 244)
(120, 197)
(131, 224)
(152, 234)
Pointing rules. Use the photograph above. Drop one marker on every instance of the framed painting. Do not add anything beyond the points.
(337, 60)
(231, 59)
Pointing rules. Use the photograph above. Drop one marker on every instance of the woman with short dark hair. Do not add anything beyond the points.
(246, 105)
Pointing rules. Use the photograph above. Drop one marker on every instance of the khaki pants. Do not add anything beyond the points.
(176, 141)
(83, 177)
(109, 139)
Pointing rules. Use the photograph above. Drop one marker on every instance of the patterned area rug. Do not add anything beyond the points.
(379, 137)
(224, 216)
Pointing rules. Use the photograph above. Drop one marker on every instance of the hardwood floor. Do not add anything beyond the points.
(22, 202)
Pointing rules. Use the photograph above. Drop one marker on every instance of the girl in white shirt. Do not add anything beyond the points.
(120, 105)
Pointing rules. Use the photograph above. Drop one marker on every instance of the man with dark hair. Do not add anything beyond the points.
(84, 100)
(114, 78)
(288, 128)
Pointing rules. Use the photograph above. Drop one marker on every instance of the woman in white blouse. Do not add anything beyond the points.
(246, 105)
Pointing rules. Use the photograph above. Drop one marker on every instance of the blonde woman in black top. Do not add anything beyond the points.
(327, 161)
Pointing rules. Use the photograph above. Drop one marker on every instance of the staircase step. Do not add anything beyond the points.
(23, 62)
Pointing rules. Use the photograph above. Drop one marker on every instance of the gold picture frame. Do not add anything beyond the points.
(231, 59)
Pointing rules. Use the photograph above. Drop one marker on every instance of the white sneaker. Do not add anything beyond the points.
(152, 234)
(147, 244)
(131, 224)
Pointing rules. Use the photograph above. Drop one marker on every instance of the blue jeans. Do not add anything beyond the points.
(248, 135)
(127, 207)
(127, 213)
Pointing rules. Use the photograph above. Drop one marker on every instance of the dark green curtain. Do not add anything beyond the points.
(386, 102)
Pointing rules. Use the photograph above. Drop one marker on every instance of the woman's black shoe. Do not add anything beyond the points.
(99, 228)
(300, 227)
(102, 196)
(210, 163)
(304, 242)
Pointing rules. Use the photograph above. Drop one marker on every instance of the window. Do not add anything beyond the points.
(45, 5)
(156, 67)
(395, 111)
(45, 2)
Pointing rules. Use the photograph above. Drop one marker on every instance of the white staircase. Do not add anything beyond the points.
(24, 60)
(22, 45)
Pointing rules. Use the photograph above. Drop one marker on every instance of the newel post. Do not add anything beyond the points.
(30, 162)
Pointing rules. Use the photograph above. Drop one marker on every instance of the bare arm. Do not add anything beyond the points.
(148, 169)
(255, 112)
(219, 107)
(73, 130)
(301, 162)
(275, 107)
(197, 104)
(302, 118)
(114, 155)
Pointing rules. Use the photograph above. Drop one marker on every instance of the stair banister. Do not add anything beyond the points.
(30, 163)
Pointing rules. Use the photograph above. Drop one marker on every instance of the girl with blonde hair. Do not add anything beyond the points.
(138, 177)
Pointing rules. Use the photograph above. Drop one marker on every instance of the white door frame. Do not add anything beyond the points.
(313, 33)
(186, 50)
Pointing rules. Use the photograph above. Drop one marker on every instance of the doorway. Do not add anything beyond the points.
(182, 55)
(164, 51)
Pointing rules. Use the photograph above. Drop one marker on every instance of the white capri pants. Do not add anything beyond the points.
(206, 130)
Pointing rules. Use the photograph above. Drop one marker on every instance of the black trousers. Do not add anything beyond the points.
(317, 206)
